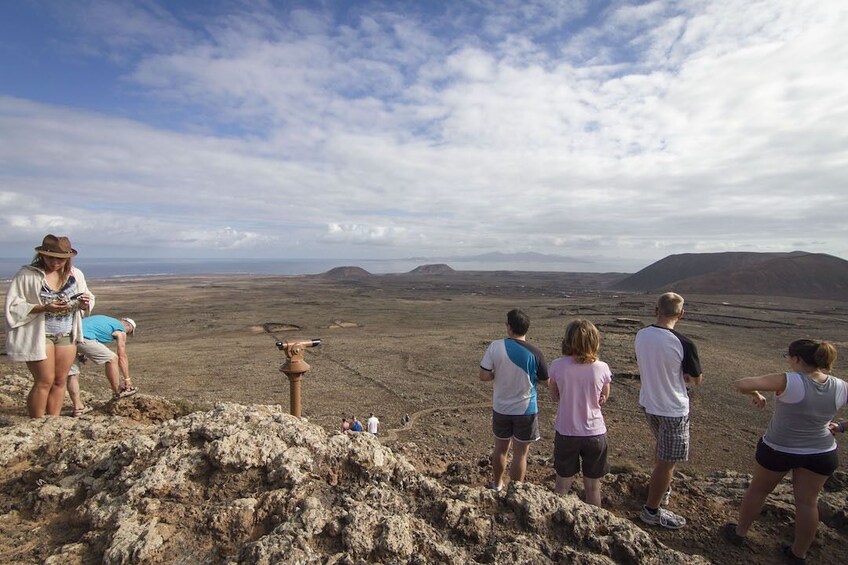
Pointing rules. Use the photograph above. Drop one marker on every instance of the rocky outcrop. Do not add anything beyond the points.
(141, 481)
(252, 484)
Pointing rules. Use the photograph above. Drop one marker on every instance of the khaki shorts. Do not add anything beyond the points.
(64, 339)
(95, 351)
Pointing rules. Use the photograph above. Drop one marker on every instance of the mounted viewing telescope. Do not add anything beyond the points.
(294, 367)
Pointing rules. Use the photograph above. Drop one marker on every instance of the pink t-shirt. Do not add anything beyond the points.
(579, 385)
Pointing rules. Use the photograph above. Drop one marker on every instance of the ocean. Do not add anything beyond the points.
(99, 268)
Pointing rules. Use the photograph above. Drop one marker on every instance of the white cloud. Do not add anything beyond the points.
(660, 127)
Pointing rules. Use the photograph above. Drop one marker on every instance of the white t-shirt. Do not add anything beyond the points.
(664, 355)
(372, 424)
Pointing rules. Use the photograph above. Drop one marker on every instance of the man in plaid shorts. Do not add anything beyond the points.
(668, 363)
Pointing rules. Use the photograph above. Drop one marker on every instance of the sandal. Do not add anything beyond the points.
(80, 411)
(127, 391)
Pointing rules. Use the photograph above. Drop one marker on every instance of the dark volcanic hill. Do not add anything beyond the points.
(797, 274)
(687, 265)
(811, 275)
(343, 273)
(434, 269)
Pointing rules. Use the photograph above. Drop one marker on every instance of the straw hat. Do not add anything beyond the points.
(53, 246)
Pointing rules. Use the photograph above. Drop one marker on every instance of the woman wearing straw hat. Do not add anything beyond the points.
(44, 306)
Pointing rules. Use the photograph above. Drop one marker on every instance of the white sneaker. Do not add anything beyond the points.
(663, 517)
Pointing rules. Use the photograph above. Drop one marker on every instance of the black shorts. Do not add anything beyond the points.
(520, 428)
(819, 463)
(571, 451)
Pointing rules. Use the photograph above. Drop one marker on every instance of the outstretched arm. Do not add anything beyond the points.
(123, 360)
(774, 382)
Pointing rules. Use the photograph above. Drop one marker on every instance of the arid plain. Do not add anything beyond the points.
(412, 343)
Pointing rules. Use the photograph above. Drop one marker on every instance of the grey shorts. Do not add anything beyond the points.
(570, 451)
(95, 351)
(520, 428)
(672, 435)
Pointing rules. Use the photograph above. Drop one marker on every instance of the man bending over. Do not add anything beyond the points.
(98, 331)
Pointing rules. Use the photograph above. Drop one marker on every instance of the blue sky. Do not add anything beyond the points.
(616, 133)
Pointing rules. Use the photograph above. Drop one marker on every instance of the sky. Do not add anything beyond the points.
(612, 133)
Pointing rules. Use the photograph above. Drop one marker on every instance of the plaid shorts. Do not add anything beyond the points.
(672, 435)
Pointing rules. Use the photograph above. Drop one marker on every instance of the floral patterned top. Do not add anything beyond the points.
(59, 324)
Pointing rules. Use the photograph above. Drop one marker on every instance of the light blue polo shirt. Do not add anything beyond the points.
(101, 328)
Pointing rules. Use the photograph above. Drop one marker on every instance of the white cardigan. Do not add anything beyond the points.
(25, 330)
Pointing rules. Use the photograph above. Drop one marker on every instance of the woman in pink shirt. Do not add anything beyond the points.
(580, 384)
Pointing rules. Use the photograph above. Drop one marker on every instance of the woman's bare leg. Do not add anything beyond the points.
(762, 484)
(592, 488)
(64, 357)
(563, 484)
(43, 372)
(806, 487)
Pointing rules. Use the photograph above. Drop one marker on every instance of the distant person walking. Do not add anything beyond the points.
(799, 438)
(515, 366)
(98, 331)
(44, 307)
(580, 384)
(345, 425)
(372, 424)
(405, 420)
(668, 362)
(355, 425)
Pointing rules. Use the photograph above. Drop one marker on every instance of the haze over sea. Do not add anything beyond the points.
(99, 268)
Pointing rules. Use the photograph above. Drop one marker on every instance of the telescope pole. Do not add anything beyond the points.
(294, 394)
(294, 368)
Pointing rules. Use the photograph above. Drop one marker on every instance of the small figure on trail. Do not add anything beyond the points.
(356, 425)
(372, 424)
(515, 366)
(405, 420)
(345, 425)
